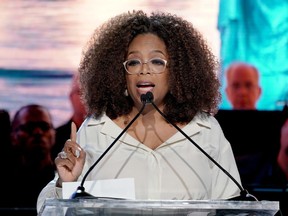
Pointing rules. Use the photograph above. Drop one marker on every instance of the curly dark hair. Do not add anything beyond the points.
(193, 82)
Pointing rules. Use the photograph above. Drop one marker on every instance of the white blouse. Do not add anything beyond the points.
(174, 170)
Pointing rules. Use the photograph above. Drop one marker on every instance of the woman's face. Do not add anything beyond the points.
(145, 47)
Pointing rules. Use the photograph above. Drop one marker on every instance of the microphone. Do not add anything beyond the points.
(80, 192)
(244, 194)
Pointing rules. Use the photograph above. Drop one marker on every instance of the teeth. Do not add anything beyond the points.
(145, 85)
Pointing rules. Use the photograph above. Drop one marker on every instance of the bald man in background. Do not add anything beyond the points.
(243, 90)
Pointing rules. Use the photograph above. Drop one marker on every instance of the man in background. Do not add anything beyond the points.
(282, 160)
(255, 156)
(78, 116)
(29, 166)
(4, 129)
(243, 90)
(283, 153)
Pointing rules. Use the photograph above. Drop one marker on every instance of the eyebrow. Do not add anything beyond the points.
(153, 51)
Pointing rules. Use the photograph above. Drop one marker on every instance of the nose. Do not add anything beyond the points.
(242, 90)
(145, 68)
(37, 130)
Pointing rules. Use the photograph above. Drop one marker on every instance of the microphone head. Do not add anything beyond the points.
(149, 97)
(143, 98)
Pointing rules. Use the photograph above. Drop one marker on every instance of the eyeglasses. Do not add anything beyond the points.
(31, 126)
(155, 65)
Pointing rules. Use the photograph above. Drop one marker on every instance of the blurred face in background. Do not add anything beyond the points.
(243, 90)
(283, 153)
(76, 101)
(33, 132)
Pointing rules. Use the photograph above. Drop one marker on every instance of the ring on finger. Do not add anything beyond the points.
(63, 155)
(77, 153)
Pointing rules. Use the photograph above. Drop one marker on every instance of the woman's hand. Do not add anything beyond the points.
(70, 161)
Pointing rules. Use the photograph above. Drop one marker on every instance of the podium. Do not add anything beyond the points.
(97, 207)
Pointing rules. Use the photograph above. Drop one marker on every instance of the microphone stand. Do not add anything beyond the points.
(244, 194)
(80, 192)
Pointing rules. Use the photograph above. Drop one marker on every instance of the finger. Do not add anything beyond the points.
(64, 163)
(77, 152)
(72, 147)
(73, 135)
(67, 156)
(62, 155)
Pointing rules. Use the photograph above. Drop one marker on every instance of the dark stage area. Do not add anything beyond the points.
(255, 140)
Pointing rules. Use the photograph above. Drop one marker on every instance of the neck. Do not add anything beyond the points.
(149, 114)
(37, 164)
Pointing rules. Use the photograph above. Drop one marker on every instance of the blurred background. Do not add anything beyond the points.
(41, 43)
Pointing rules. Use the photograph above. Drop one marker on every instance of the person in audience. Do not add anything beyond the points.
(5, 129)
(282, 158)
(30, 166)
(132, 54)
(5, 143)
(78, 115)
(242, 90)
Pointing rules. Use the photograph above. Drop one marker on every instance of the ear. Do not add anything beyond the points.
(259, 92)
(227, 92)
(70, 95)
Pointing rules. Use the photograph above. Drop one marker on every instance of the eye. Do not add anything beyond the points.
(249, 85)
(236, 86)
(44, 126)
(133, 62)
(159, 62)
(31, 126)
(24, 128)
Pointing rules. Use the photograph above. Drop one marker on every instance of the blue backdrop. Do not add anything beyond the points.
(256, 31)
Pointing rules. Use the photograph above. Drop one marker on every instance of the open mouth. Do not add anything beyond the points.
(144, 87)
